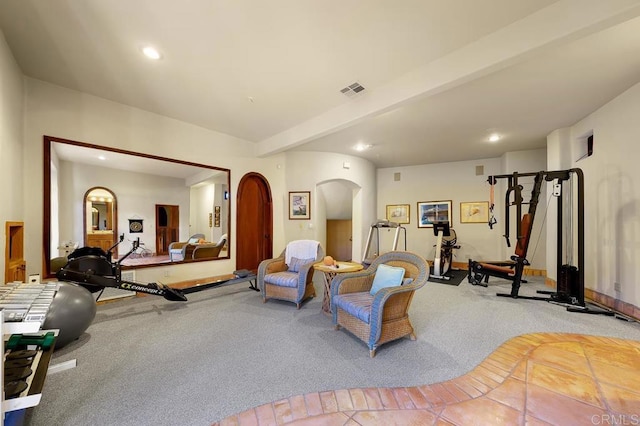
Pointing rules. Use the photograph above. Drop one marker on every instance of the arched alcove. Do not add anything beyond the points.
(337, 200)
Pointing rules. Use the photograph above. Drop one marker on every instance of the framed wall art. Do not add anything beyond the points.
(433, 211)
(135, 226)
(474, 212)
(398, 213)
(299, 205)
(216, 216)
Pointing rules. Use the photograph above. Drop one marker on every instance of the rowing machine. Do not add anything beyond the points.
(92, 268)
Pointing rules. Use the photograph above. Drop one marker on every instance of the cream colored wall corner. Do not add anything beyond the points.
(612, 194)
(11, 133)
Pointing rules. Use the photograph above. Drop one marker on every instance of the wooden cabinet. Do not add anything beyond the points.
(102, 240)
(15, 265)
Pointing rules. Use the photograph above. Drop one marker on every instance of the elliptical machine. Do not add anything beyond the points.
(445, 244)
(92, 268)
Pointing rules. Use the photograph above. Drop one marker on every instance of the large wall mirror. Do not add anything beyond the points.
(178, 210)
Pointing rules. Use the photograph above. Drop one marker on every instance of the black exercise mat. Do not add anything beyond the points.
(456, 277)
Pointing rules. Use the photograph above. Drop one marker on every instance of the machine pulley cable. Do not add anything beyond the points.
(544, 220)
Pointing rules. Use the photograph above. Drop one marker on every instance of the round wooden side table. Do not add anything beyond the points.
(329, 273)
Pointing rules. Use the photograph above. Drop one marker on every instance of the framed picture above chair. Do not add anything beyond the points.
(299, 205)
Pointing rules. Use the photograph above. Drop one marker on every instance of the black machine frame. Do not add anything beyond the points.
(570, 280)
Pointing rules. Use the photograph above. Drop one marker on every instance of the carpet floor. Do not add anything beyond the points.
(150, 361)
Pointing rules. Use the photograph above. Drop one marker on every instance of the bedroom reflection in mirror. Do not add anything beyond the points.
(94, 194)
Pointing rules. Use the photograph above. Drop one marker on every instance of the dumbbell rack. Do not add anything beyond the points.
(26, 349)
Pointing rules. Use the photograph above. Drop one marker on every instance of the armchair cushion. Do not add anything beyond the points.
(387, 276)
(282, 279)
(356, 304)
(295, 264)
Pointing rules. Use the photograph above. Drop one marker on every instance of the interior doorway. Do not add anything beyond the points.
(340, 239)
(167, 227)
(254, 222)
(336, 199)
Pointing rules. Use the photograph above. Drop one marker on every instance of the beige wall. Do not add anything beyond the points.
(56, 111)
(11, 154)
(308, 171)
(455, 181)
(612, 193)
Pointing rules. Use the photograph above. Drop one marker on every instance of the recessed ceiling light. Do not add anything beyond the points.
(494, 137)
(362, 147)
(151, 52)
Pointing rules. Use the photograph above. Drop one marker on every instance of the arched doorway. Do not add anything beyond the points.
(101, 219)
(336, 198)
(254, 222)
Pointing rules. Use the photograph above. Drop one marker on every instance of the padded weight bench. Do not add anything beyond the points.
(479, 272)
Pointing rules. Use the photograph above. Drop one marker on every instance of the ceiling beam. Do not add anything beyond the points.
(557, 24)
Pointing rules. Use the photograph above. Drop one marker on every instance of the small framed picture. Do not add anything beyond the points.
(299, 205)
(135, 226)
(474, 212)
(398, 213)
(433, 211)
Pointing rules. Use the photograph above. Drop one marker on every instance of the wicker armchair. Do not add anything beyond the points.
(277, 280)
(178, 250)
(383, 317)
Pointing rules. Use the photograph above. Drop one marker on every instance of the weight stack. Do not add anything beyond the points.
(568, 283)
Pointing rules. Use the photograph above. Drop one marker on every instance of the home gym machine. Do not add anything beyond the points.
(479, 272)
(570, 279)
(374, 233)
(92, 268)
(445, 244)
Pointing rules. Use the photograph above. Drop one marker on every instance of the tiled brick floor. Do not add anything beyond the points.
(534, 379)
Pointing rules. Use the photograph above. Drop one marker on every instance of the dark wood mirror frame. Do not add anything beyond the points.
(46, 228)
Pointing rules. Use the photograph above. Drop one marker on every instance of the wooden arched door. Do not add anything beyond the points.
(254, 222)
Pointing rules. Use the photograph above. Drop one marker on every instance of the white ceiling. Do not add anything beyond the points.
(439, 75)
(191, 173)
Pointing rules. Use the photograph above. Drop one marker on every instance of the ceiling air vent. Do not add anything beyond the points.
(352, 89)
